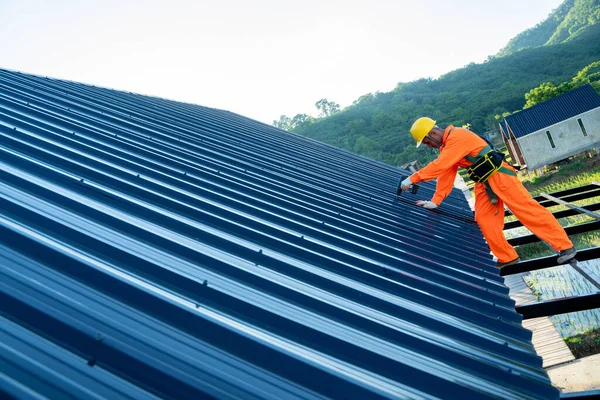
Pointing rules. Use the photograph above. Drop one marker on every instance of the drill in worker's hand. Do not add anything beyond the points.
(414, 188)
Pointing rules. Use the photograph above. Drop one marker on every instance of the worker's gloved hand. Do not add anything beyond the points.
(406, 184)
(430, 205)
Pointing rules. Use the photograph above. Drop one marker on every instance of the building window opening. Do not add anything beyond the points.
(550, 139)
(582, 127)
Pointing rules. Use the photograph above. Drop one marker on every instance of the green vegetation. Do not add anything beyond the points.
(565, 23)
(576, 173)
(540, 34)
(325, 107)
(584, 344)
(377, 124)
(547, 90)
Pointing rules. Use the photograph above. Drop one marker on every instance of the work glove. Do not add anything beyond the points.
(430, 205)
(406, 184)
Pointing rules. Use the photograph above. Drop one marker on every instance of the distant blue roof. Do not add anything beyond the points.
(553, 111)
(504, 130)
(150, 247)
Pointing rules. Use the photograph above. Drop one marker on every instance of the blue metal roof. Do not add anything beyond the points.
(155, 248)
(553, 111)
(504, 130)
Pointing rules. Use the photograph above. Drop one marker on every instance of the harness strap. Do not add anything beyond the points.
(507, 171)
(483, 152)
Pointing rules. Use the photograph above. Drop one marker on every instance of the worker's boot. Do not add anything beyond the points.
(566, 255)
(504, 264)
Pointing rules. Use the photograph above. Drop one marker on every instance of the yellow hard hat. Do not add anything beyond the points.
(421, 128)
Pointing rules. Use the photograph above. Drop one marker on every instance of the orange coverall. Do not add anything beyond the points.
(508, 189)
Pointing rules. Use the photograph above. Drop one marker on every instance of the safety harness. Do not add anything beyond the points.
(487, 162)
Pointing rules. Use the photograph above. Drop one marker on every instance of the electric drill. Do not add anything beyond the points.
(414, 188)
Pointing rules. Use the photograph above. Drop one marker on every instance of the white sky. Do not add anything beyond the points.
(258, 58)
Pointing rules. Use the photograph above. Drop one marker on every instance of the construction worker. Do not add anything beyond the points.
(496, 184)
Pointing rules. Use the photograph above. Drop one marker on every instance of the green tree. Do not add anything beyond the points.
(565, 23)
(327, 108)
(300, 120)
(364, 145)
(284, 122)
(545, 91)
(365, 99)
(590, 74)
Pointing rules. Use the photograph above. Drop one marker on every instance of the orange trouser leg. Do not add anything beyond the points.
(490, 218)
(534, 217)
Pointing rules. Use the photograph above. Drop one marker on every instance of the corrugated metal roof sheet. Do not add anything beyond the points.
(553, 111)
(152, 247)
(504, 130)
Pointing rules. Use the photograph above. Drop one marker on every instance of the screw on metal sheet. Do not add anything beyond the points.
(205, 283)
(260, 251)
(98, 338)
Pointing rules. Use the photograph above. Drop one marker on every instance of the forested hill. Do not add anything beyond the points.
(565, 23)
(377, 125)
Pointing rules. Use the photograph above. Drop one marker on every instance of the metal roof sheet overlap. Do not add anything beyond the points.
(150, 247)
